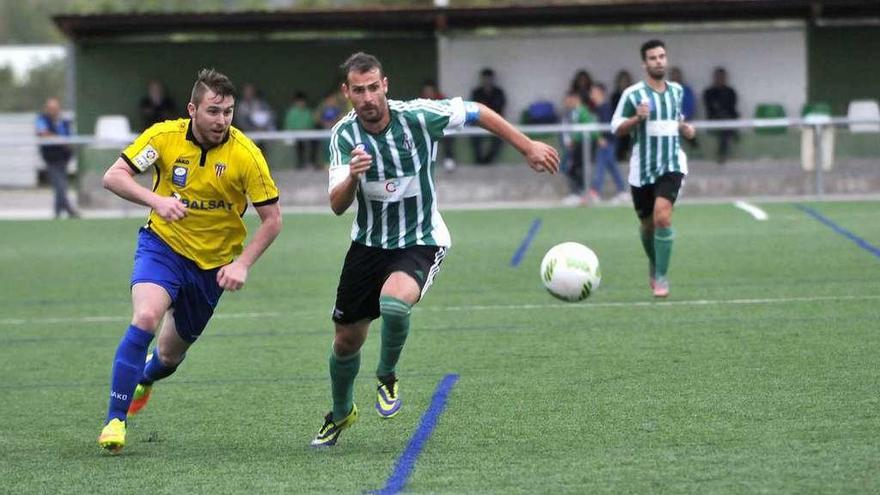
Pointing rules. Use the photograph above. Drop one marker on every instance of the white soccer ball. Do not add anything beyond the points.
(570, 271)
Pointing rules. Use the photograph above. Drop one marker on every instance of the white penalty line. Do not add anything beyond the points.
(490, 307)
(752, 210)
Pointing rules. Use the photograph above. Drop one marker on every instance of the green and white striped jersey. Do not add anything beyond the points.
(396, 198)
(656, 144)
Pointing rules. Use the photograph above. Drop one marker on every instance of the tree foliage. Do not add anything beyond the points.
(42, 82)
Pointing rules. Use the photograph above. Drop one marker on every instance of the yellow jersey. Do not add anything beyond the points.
(215, 185)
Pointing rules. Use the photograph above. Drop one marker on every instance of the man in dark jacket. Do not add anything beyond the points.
(56, 156)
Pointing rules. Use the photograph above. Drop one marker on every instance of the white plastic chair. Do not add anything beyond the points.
(112, 131)
(863, 109)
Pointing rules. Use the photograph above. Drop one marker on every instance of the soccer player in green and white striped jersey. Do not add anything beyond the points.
(651, 109)
(381, 156)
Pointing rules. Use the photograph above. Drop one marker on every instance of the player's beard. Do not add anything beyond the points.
(373, 113)
(657, 73)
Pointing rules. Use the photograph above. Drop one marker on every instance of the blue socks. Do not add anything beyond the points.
(128, 365)
(155, 370)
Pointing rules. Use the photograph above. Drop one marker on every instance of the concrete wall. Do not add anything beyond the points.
(766, 64)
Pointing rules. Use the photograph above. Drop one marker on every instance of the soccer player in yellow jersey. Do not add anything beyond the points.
(190, 250)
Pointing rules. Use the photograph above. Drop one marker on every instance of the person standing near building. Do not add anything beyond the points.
(487, 148)
(720, 101)
(382, 157)
(156, 106)
(50, 123)
(651, 110)
(604, 150)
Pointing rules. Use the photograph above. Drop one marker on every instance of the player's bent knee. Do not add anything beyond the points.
(348, 339)
(147, 319)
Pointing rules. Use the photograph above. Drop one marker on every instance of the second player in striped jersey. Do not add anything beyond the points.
(651, 109)
(381, 156)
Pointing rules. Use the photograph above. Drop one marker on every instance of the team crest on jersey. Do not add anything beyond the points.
(178, 176)
(219, 168)
(407, 143)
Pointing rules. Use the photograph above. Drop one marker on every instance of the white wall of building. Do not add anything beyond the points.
(765, 64)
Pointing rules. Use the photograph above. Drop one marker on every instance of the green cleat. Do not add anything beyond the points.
(112, 437)
(329, 433)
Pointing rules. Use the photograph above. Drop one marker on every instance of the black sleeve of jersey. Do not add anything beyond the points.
(268, 201)
(125, 158)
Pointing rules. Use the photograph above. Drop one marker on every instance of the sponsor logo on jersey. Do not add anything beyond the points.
(183, 161)
(178, 175)
(391, 185)
(207, 204)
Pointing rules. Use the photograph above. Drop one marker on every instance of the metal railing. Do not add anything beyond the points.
(817, 124)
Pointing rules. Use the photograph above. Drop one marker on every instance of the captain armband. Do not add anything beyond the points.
(471, 112)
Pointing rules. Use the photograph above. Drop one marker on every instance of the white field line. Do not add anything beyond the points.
(118, 318)
(751, 209)
(490, 307)
(657, 304)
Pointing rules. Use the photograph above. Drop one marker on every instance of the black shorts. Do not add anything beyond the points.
(667, 186)
(366, 269)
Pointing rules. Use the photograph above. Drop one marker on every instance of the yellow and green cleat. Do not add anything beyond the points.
(387, 397)
(112, 437)
(329, 432)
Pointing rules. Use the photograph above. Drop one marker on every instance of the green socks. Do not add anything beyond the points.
(395, 328)
(663, 238)
(343, 371)
(648, 244)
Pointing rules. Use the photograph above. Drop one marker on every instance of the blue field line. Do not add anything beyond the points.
(524, 246)
(867, 246)
(397, 481)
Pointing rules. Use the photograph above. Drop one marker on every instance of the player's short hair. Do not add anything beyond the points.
(650, 45)
(210, 79)
(360, 62)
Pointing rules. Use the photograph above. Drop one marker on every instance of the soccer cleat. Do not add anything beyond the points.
(387, 397)
(661, 287)
(112, 437)
(141, 396)
(329, 432)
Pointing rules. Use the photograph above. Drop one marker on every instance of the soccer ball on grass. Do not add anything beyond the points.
(570, 271)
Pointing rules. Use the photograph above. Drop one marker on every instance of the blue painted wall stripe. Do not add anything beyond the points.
(407, 461)
(524, 246)
(867, 246)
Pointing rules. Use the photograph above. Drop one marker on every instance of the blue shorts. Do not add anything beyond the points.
(194, 292)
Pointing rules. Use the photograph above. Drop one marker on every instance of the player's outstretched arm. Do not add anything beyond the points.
(119, 179)
(541, 157)
(234, 275)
